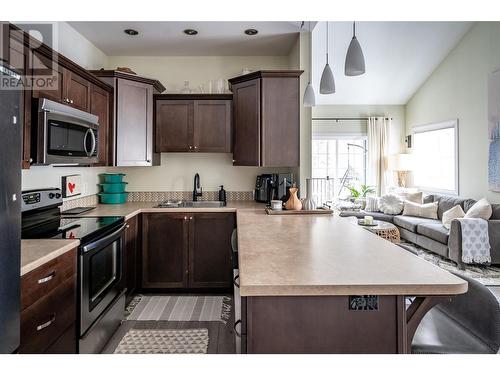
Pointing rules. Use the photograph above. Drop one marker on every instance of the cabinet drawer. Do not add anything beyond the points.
(46, 320)
(41, 281)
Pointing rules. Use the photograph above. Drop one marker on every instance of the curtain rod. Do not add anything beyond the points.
(345, 118)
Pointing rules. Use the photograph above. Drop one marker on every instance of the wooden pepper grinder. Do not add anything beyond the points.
(293, 203)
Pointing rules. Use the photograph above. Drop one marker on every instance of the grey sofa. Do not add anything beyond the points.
(430, 234)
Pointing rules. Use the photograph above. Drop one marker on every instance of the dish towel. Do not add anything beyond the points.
(475, 241)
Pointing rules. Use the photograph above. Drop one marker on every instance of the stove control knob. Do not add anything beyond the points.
(58, 195)
(51, 195)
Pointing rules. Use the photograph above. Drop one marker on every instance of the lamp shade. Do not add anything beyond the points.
(401, 162)
(354, 60)
(309, 97)
(327, 83)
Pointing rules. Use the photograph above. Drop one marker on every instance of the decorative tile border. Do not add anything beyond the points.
(89, 200)
(160, 196)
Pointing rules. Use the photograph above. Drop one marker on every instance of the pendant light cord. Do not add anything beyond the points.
(327, 42)
(354, 29)
(310, 53)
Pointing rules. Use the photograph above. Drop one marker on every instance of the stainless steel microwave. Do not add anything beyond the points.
(65, 135)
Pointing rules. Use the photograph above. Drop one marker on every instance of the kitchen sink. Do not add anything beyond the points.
(191, 204)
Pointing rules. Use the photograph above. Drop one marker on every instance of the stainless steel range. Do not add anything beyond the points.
(101, 295)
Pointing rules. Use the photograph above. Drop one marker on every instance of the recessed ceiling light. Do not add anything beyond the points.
(190, 32)
(131, 32)
(251, 32)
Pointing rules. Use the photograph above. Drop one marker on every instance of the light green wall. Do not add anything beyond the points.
(458, 88)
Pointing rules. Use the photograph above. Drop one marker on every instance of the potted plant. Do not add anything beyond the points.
(359, 196)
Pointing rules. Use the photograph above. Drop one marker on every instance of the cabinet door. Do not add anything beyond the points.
(52, 85)
(174, 125)
(246, 102)
(131, 257)
(134, 123)
(99, 106)
(165, 250)
(76, 91)
(280, 122)
(212, 125)
(210, 250)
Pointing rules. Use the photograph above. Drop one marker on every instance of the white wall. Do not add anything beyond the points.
(77, 48)
(458, 88)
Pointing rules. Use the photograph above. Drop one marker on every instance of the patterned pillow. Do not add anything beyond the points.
(391, 204)
(371, 204)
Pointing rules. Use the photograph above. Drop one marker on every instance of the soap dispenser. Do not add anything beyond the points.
(222, 194)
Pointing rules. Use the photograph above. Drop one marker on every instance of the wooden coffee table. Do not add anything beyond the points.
(385, 230)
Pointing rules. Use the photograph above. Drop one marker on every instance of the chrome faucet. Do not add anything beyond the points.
(197, 192)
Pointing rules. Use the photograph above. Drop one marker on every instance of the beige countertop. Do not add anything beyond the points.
(35, 253)
(314, 255)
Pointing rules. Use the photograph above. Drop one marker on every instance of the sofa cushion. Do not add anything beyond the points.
(456, 212)
(481, 209)
(446, 202)
(436, 231)
(495, 215)
(432, 245)
(410, 222)
(428, 210)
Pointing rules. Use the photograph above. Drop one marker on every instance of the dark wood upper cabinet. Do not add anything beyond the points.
(210, 250)
(193, 123)
(100, 106)
(45, 66)
(174, 125)
(132, 141)
(76, 91)
(165, 250)
(267, 118)
(212, 125)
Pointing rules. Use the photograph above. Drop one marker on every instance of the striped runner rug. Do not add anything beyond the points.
(181, 308)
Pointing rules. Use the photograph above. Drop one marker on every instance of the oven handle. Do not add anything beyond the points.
(105, 240)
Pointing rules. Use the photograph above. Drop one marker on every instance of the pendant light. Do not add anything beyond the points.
(327, 83)
(309, 96)
(354, 60)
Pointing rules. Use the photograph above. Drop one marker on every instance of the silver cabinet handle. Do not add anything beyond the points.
(46, 324)
(238, 322)
(190, 147)
(71, 101)
(185, 217)
(195, 147)
(191, 218)
(46, 279)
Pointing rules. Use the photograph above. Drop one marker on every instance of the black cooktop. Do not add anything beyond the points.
(84, 229)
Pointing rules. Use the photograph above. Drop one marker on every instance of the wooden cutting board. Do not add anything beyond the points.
(320, 211)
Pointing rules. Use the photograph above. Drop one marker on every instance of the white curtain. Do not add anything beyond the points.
(378, 152)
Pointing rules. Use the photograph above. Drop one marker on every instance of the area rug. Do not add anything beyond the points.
(180, 308)
(164, 341)
(486, 275)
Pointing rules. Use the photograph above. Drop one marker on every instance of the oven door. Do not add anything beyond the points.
(68, 140)
(100, 276)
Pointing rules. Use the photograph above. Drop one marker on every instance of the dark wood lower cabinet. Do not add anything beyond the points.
(210, 250)
(132, 258)
(48, 315)
(186, 250)
(165, 250)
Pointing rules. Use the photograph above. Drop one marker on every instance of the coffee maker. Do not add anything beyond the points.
(272, 186)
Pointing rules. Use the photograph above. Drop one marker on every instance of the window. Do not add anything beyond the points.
(340, 157)
(435, 149)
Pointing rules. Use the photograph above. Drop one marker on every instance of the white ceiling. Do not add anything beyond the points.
(399, 57)
(213, 39)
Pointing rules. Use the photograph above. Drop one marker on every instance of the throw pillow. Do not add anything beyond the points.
(453, 213)
(481, 209)
(371, 204)
(390, 204)
(413, 197)
(427, 210)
